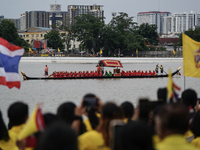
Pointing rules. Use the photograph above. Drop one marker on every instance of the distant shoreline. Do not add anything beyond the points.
(96, 59)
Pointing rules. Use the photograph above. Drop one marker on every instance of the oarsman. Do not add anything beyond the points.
(46, 71)
(161, 69)
(157, 69)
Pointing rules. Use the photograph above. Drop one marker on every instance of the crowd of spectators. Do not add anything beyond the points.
(93, 125)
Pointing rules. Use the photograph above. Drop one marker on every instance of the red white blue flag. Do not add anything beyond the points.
(10, 56)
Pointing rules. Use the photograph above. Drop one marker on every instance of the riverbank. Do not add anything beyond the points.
(96, 59)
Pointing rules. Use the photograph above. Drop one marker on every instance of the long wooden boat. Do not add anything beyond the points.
(102, 63)
(25, 77)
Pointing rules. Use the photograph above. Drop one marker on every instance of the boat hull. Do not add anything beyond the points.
(25, 77)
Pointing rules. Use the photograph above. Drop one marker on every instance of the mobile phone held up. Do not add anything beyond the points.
(116, 130)
(90, 101)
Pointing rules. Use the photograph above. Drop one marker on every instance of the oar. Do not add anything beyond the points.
(163, 70)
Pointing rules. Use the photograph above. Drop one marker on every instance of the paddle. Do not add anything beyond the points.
(163, 69)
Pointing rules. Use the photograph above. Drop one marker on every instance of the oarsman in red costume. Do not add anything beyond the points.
(98, 69)
(154, 73)
(75, 74)
(61, 74)
(57, 74)
(79, 73)
(83, 74)
(146, 73)
(66, 74)
(87, 73)
(71, 74)
(92, 73)
(122, 73)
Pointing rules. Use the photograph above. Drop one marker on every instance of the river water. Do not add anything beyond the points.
(54, 92)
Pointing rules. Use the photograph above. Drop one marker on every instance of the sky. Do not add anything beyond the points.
(13, 8)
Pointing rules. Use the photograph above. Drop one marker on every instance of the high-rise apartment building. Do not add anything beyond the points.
(43, 19)
(77, 10)
(152, 17)
(180, 22)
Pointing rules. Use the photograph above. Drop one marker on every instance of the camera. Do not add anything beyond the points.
(90, 101)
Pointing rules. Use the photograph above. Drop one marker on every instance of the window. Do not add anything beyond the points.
(27, 35)
(41, 35)
(32, 35)
(37, 35)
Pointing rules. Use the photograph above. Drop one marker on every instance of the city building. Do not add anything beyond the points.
(43, 19)
(180, 22)
(77, 10)
(16, 21)
(152, 17)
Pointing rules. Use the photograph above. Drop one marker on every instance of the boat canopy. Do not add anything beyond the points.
(110, 63)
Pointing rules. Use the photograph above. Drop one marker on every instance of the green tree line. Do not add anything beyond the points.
(8, 31)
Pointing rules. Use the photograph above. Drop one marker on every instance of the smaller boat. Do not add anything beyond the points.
(117, 73)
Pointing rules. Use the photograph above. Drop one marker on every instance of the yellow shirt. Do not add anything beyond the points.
(174, 142)
(92, 140)
(189, 136)
(16, 129)
(88, 124)
(196, 142)
(10, 144)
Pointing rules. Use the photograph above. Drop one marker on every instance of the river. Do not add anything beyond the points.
(54, 92)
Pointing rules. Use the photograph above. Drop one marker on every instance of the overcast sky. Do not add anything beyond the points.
(13, 8)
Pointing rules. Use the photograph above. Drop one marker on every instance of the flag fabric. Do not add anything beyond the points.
(44, 46)
(10, 56)
(172, 88)
(58, 50)
(191, 57)
(174, 52)
(136, 51)
(34, 124)
(101, 51)
(30, 50)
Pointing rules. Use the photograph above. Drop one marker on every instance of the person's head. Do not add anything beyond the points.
(50, 118)
(58, 136)
(196, 124)
(189, 98)
(172, 119)
(46, 65)
(132, 137)
(162, 94)
(3, 131)
(66, 112)
(91, 102)
(17, 114)
(127, 109)
(109, 112)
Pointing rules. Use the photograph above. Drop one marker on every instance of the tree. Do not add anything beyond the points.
(8, 31)
(88, 30)
(67, 37)
(194, 34)
(149, 32)
(53, 39)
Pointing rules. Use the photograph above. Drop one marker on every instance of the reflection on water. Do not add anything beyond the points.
(55, 92)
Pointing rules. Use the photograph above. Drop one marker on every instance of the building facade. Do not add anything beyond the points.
(43, 19)
(77, 10)
(152, 17)
(180, 22)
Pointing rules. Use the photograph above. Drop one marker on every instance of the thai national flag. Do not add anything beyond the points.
(10, 56)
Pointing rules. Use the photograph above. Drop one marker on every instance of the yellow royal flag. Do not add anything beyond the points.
(136, 51)
(34, 124)
(101, 51)
(174, 52)
(30, 50)
(191, 57)
(58, 50)
(170, 85)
